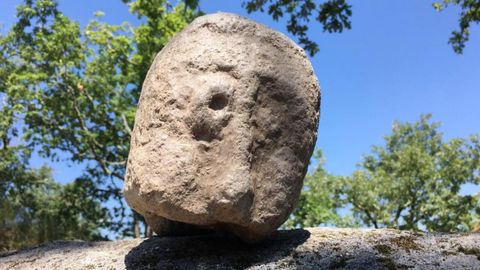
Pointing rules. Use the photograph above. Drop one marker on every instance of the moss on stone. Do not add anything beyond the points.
(406, 242)
(470, 251)
(383, 249)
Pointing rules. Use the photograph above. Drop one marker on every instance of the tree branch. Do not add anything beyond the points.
(125, 123)
(397, 214)
(91, 142)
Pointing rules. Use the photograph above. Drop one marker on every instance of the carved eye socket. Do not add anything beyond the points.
(218, 102)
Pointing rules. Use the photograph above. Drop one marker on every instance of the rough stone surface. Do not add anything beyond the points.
(225, 127)
(299, 249)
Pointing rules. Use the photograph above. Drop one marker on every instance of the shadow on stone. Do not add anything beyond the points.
(212, 251)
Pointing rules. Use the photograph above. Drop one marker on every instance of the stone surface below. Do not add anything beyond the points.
(225, 127)
(319, 248)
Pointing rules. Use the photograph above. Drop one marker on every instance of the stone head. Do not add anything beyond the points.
(225, 127)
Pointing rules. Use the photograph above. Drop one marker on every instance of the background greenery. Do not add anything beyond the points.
(72, 89)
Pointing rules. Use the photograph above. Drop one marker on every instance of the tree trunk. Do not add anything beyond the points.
(136, 227)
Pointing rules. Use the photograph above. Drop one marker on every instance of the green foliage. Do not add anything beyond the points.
(415, 179)
(334, 15)
(412, 182)
(320, 200)
(75, 90)
(163, 21)
(35, 209)
(470, 13)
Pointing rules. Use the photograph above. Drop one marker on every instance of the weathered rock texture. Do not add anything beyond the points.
(225, 127)
(300, 249)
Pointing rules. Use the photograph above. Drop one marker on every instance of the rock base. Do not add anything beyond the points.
(317, 248)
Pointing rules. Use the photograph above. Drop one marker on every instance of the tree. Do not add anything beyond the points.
(320, 200)
(469, 14)
(76, 90)
(414, 181)
(334, 16)
(34, 208)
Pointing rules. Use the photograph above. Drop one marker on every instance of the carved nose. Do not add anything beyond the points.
(221, 152)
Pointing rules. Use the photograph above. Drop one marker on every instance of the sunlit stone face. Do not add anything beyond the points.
(225, 127)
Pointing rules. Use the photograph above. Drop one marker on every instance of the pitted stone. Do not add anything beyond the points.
(226, 124)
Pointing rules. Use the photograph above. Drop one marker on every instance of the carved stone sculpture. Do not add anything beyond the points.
(225, 127)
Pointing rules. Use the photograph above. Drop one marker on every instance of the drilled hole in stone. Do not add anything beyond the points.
(218, 102)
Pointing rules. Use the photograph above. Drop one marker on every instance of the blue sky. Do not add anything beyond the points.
(394, 64)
